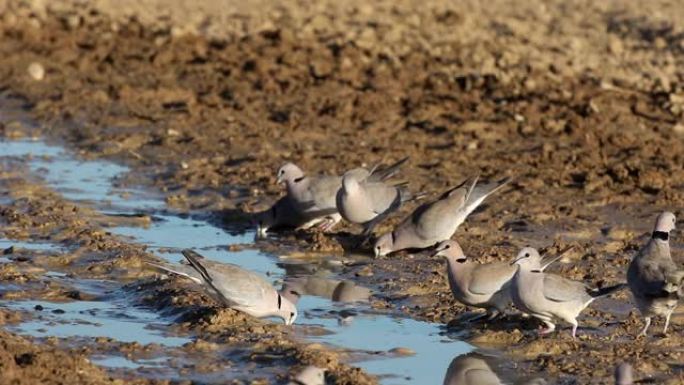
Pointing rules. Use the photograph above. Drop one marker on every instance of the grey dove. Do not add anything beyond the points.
(623, 374)
(316, 196)
(548, 296)
(479, 285)
(436, 221)
(284, 213)
(367, 202)
(235, 287)
(657, 284)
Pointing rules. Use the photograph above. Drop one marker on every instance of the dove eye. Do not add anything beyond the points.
(447, 247)
(527, 254)
(291, 314)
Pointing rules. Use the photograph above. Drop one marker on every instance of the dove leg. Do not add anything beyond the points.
(643, 331)
(550, 327)
(574, 328)
(479, 317)
(667, 320)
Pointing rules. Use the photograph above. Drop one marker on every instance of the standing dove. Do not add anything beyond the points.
(316, 196)
(479, 285)
(548, 296)
(235, 287)
(654, 279)
(369, 202)
(436, 221)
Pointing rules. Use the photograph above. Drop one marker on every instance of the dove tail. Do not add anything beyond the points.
(194, 260)
(606, 290)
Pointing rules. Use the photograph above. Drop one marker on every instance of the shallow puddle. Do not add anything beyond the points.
(347, 322)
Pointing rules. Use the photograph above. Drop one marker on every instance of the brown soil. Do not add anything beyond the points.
(580, 102)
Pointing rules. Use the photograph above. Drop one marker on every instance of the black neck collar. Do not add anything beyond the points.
(461, 260)
(662, 235)
(297, 180)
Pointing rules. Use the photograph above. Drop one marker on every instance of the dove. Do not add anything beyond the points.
(484, 286)
(655, 281)
(548, 296)
(316, 196)
(436, 221)
(623, 374)
(368, 203)
(235, 287)
(310, 375)
(284, 213)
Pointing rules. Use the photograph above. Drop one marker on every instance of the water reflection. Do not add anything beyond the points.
(332, 289)
(476, 368)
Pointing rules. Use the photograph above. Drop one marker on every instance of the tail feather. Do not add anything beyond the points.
(484, 190)
(606, 290)
(194, 260)
(173, 271)
(381, 174)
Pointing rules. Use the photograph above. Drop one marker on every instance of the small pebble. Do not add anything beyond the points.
(36, 71)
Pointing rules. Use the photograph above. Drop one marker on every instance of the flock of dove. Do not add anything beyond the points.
(367, 197)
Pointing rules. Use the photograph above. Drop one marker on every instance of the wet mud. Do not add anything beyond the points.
(581, 105)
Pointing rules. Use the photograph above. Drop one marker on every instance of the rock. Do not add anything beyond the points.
(36, 71)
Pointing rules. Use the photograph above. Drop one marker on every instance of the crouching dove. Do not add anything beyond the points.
(314, 197)
(484, 286)
(235, 287)
(436, 221)
(548, 296)
(657, 284)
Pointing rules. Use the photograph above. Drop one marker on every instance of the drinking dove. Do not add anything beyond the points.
(548, 296)
(316, 196)
(479, 285)
(235, 287)
(436, 221)
(285, 214)
(656, 282)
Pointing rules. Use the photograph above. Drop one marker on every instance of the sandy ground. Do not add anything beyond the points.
(580, 102)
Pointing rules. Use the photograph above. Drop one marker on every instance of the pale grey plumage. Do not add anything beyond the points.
(436, 221)
(235, 287)
(479, 285)
(369, 202)
(315, 197)
(548, 296)
(656, 283)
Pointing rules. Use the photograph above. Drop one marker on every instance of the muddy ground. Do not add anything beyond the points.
(580, 102)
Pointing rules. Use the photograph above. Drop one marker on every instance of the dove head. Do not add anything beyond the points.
(665, 223)
(350, 181)
(451, 250)
(289, 172)
(384, 245)
(528, 258)
(286, 310)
